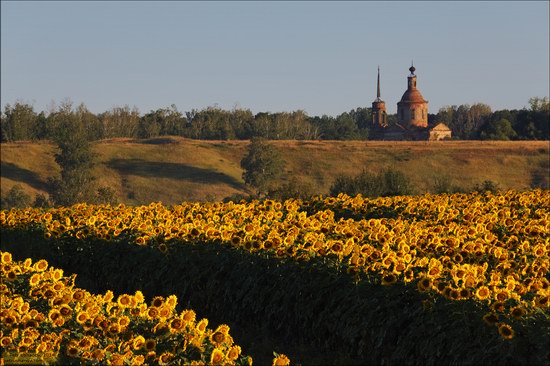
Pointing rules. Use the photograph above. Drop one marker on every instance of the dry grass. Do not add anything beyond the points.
(174, 169)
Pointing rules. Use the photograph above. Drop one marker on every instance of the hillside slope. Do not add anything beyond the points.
(174, 169)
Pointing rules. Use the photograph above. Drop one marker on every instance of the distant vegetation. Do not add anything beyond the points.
(468, 122)
(174, 169)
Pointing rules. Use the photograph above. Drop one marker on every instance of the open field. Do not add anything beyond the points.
(174, 169)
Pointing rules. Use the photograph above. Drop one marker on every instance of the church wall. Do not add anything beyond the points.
(405, 115)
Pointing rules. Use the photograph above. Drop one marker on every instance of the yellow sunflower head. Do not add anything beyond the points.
(506, 331)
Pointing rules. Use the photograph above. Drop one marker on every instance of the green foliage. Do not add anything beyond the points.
(75, 157)
(105, 195)
(464, 120)
(120, 122)
(40, 200)
(486, 185)
(162, 122)
(442, 184)
(262, 165)
(19, 122)
(396, 183)
(291, 189)
(16, 198)
(498, 130)
(390, 182)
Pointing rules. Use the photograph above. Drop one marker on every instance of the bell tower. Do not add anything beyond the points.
(379, 114)
(412, 110)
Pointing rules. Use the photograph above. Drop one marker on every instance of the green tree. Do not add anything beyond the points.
(120, 122)
(396, 183)
(389, 182)
(464, 120)
(74, 156)
(40, 200)
(292, 189)
(262, 165)
(19, 122)
(498, 130)
(16, 198)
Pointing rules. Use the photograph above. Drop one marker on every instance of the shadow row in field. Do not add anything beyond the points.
(143, 168)
(16, 173)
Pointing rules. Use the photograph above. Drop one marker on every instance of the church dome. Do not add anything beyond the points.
(412, 96)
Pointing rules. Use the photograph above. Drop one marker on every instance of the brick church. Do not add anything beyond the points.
(412, 115)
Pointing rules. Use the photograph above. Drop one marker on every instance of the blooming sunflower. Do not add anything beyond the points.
(506, 331)
(483, 293)
(389, 279)
(281, 360)
(216, 357)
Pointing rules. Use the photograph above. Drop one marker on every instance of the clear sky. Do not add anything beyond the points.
(321, 56)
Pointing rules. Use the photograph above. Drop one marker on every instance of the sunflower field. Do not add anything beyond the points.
(450, 278)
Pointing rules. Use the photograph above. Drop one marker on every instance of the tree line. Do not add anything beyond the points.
(21, 122)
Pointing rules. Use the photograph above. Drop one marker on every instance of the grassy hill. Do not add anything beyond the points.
(174, 169)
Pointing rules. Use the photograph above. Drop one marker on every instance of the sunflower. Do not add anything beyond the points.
(41, 265)
(82, 317)
(188, 315)
(424, 284)
(176, 325)
(434, 272)
(281, 360)
(337, 247)
(139, 297)
(5, 341)
(123, 321)
(98, 354)
(541, 301)
(123, 301)
(138, 342)
(35, 279)
(217, 337)
(201, 325)
(498, 306)
(502, 295)
(53, 315)
(216, 357)
(152, 313)
(150, 344)
(389, 279)
(72, 351)
(108, 296)
(518, 312)
(65, 311)
(267, 244)
(171, 301)
(114, 329)
(11, 275)
(483, 293)
(506, 331)
(165, 358)
(234, 353)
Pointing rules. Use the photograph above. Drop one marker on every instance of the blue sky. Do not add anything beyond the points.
(272, 56)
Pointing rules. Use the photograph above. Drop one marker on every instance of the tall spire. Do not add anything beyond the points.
(378, 87)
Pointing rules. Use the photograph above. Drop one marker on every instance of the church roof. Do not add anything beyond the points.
(413, 96)
(440, 127)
